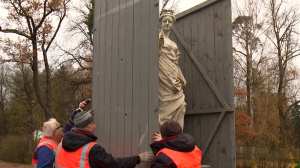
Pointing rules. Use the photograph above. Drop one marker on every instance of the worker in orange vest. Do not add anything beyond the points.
(43, 156)
(172, 149)
(79, 149)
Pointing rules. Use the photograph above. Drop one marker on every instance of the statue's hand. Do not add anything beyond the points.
(161, 40)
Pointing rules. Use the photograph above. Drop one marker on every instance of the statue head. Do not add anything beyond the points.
(167, 19)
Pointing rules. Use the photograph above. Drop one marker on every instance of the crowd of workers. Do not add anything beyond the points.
(77, 148)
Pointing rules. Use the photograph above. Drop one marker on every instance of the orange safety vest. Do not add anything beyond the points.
(44, 142)
(78, 158)
(184, 159)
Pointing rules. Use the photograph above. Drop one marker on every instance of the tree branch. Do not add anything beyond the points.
(15, 31)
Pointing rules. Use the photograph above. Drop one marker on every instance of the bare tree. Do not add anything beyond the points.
(34, 21)
(79, 55)
(282, 22)
(247, 29)
(170, 4)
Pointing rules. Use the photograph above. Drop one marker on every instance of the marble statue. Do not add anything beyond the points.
(171, 80)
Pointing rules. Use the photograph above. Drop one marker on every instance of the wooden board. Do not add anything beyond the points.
(125, 75)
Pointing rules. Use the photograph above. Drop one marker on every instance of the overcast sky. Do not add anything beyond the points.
(186, 4)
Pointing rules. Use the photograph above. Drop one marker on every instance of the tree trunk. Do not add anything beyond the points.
(48, 84)
(47, 111)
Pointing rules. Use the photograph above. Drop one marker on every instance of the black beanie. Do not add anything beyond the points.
(82, 119)
(170, 128)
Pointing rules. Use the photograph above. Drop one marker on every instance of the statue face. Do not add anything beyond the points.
(167, 23)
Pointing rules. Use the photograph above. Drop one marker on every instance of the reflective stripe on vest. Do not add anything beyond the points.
(44, 142)
(184, 159)
(78, 158)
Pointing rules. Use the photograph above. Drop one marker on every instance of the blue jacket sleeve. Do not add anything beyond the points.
(70, 123)
(44, 157)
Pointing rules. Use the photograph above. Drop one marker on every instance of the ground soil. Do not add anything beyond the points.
(13, 165)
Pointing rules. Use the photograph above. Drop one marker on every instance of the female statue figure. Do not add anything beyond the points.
(171, 80)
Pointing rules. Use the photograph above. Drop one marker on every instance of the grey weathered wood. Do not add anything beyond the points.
(153, 70)
(136, 77)
(108, 76)
(219, 81)
(96, 60)
(188, 90)
(114, 77)
(180, 25)
(210, 111)
(202, 57)
(207, 78)
(144, 58)
(230, 141)
(213, 132)
(128, 79)
(101, 83)
(210, 60)
(196, 76)
(121, 84)
(218, 43)
(196, 129)
(228, 69)
(204, 134)
(196, 8)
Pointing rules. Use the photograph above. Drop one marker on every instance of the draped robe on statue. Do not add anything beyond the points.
(171, 84)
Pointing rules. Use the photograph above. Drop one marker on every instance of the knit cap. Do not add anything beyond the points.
(82, 119)
(170, 128)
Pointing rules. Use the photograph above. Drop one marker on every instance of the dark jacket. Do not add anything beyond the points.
(181, 143)
(98, 157)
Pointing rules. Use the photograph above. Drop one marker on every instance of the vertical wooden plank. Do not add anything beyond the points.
(230, 140)
(153, 69)
(195, 104)
(203, 58)
(212, 150)
(204, 134)
(121, 82)
(219, 64)
(210, 69)
(128, 79)
(221, 144)
(136, 77)
(114, 77)
(197, 129)
(180, 27)
(219, 52)
(204, 88)
(108, 75)
(188, 124)
(228, 80)
(96, 63)
(101, 79)
(227, 49)
(211, 154)
(144, 58)
(188, 64)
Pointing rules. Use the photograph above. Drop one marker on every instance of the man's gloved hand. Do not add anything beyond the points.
(157, 137)
(146, 156)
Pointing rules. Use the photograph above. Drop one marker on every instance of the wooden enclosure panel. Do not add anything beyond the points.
(125, 75)
(207, 33)
(128, 78)
(219, 151)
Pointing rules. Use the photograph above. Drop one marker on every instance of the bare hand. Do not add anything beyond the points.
(157, 137)
(82, 104)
